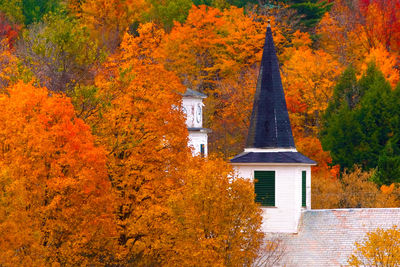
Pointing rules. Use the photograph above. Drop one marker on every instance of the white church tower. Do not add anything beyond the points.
(192, 105)
(281, 175)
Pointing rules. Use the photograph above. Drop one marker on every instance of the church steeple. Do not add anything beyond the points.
(281, 175)
(269, 125)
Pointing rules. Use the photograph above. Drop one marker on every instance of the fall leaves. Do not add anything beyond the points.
(379, 248)
(52, 177)
(124, 190)
(102, 171)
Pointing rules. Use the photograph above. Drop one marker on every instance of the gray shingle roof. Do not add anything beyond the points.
(269, 124)
(326, 237)
(193, 93)
(272, 157)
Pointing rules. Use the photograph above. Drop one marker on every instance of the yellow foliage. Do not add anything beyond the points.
(172, 209)
(109, 20)
(308, 77)
(213, 44)
(218, 220)
(379, 248)
(385, 61)
(8, 64)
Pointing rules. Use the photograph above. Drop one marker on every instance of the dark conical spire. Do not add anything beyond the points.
(269, 125)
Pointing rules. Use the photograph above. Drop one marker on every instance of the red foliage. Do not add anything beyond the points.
(8, 30)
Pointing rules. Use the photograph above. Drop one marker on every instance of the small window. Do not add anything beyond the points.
(202, 150)
(303, 188)
(264, 187)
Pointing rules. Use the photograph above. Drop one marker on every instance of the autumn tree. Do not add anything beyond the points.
(108, 20)
(8, 61)
(167, 205)
(166, 12)
(355, 29)
(379, 248)
(359, 191)
(218, 52)
(8, 65)
(29, 11)
(60, 52)
(385, 61)
(55, 198)
(213, 44)
(145, 136)
(308, 77)
(380, 23)
(8, 30)
(217, 219)
(228, 113)
(310, 12)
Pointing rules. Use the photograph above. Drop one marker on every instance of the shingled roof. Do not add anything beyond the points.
(269, 125)
(192, 93)
(326, 237)
(272, 157)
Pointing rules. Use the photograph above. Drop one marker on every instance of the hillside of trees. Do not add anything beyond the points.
(94, 164)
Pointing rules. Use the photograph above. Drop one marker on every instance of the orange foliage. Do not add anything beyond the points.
(341, 35)
(172, 209)
(214, 44)
(387, 189)
(325, 183)
(218, 52)
(385, 61)
(381, 23)
(217, 217)
(55, 201)
(146, 140)
(109, 20)
(228, 112)
(308, 78)
(357, 35)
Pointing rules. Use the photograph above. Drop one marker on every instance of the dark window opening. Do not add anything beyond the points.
(202, 150)
(264, 187)
(303, 188)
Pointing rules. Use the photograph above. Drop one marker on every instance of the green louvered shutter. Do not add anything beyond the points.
(264, 187)
(303, 188)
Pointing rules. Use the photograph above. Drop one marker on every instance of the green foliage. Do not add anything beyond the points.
(29, 11)
(34, 10)
(360, 125)
(169, 11)
(346, 92)
(13, 10)
(87, 101)
(59, 52)
(225, 3)
(310, 12)
(389, 162)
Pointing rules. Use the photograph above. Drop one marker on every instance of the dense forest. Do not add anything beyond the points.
(94, 164)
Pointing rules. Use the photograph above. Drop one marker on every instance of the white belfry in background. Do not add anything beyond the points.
(192, 105)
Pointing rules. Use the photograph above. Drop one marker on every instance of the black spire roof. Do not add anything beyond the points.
(269, 125)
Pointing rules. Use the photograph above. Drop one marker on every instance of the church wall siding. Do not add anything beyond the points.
(284, 217)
